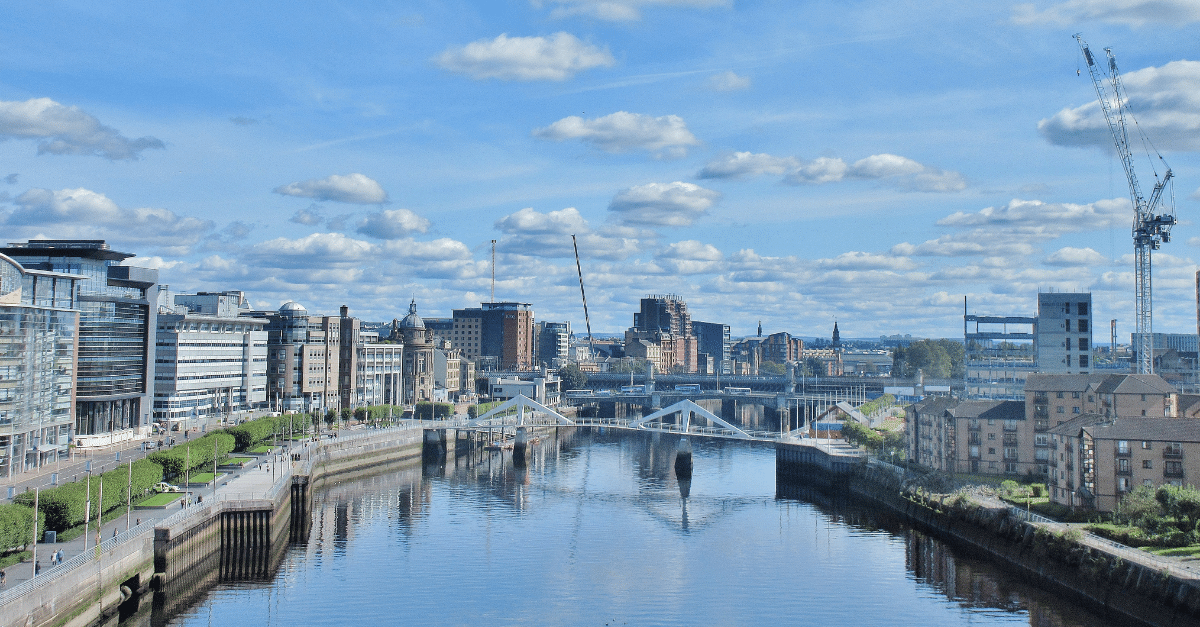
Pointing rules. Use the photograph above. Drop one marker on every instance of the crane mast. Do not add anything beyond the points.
(1149, 229)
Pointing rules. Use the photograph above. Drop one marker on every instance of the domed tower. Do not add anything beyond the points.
(418, 357)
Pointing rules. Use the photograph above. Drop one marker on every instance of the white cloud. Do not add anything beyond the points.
(68, 131)
(618, 10)
(663, 204)
(351, 188)
(1165, 100)
(854, 260)
(308, 217)
(690, 257)
(554, 58)
(747, 165)
(1042, 220)
(901, 172)
(534, 234)
(666, 136)
(728, 81)
(392, 224)
(83, 213)
(1130, 12)
(1196, 194)
(1070, 256)
(316, 250)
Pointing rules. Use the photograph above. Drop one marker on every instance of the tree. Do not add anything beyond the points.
(330, 417)
(572, 377)
(627, 365)
(939, 359)
(771, 367)
(814, 367)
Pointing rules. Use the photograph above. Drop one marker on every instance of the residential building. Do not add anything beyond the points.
(500, 334)
(1064, 333)
(1098, 458)
(978, 437)
(116, 303)
(1054, 399)
(553, 340)
(712, 338)
(39, 335)
(664, 321)
(208, 359)
(448, 382)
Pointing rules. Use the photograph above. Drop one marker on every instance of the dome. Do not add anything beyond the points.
(292, 307)
(412, 320)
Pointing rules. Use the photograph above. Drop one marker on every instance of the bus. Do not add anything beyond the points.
(743, 391)
(690, 388)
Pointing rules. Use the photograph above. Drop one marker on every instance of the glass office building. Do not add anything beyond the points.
(38, 333)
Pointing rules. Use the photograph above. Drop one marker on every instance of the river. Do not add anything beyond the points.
(596, 531)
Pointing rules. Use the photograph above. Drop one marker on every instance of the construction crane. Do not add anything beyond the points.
(1150, 229)
(587, 320)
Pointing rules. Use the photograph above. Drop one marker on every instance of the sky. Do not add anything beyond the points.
(794, 163)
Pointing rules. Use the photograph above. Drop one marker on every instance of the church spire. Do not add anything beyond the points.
(837, 337)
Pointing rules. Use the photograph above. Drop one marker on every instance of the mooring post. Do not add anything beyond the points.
(520, 446)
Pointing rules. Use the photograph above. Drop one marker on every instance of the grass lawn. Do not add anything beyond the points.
(158, 500)
(1181, 551)
(260, 449)
(232, 461)
(8, 559)
(202, 477)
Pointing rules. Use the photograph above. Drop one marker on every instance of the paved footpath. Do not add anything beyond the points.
(253, 481)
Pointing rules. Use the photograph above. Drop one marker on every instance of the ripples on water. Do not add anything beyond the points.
(595, 532)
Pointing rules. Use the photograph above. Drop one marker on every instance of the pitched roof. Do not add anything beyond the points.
(991, 410)
(1135, 384)
(1072, 426)
(1187, 404)
(934, 404)
(1042, 382)
(1146, 428)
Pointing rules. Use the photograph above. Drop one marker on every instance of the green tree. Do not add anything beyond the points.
(814, 367)
(939, 359)
(627, 365)
(572, 377)
(330, 417)
(771, 367)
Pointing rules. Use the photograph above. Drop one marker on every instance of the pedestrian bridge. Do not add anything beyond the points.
(684, 418)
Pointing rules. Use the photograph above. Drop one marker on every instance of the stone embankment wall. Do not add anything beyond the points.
(1129, 583)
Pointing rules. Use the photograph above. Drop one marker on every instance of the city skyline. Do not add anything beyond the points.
(795, 165)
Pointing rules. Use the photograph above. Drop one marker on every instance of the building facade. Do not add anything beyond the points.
(209, 360)
(115, 366)
(553, 343)
(39, 325)
(664, 321)
(712, 338)
(418, 375)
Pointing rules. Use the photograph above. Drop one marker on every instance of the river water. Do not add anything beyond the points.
(596, 531)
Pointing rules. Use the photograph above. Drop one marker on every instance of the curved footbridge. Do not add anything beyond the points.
(237, 530)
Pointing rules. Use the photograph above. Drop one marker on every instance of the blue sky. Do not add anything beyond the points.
(794, 163)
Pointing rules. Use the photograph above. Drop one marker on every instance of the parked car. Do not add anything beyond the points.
(163, 486)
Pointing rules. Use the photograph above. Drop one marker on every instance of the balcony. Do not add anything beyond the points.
(974, 439)
(1172, 453)
(1041, 425)
(1124, 452)
(1010, 439)
(1173, 473)
(1125, 472)
(974, 426)
(1010, 428)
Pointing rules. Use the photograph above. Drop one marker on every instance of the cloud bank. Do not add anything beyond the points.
(665, 137)
(351, 188)
(68, 131)
(554, 58)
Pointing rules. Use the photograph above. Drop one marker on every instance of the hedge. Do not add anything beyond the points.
(250, 433)
(64, 506)
(433, 411)
(174, 460)
(16, 526)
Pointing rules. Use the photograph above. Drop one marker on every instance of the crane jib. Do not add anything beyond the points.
(1088, 55)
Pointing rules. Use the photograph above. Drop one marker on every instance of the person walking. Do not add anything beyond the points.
(37, 568)
(61, 555)
(2, 576)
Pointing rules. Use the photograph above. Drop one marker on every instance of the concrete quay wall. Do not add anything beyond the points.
(1131, 584)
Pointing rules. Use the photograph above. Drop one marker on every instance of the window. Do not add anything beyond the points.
(991, 436)
(1091, 399)
(1067, 343)
(1058, 395)
(991, 421)
(1083, 361)
(1123, 447)
(1083, 326)
(1172, 468)
(1122, 484)
(1148, 464)
(1123, 465)
(1083, 343)
(1074, 394)
(1067, 325)
(1066, 308)
(1068, 361)
(991, 451)
(1061, 410)
(1082, 308)
(1074, 410)
(1143, 398)
(1145, 445)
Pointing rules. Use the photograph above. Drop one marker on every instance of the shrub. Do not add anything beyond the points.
(64, 507)
(1008, 487)
(174, 460)
(16, 525)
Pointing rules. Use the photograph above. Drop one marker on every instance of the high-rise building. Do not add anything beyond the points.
(116, 334)
(712, 338)
(552, 343)
(1064, 333)
(501, 333)
(209, 360)
(39, 325)
(663, 321)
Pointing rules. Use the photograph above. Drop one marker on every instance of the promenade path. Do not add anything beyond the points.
(252, 481)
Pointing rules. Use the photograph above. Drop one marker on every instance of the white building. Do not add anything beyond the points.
(208, 361)
(1064, 333)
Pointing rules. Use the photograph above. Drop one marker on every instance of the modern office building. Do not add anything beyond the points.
(209, 360)
(552, 343)
(117, 304)
(39, 326)
(1064, 333)
(712, 338)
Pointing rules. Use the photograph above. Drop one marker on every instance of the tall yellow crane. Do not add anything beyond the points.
(1150, 229)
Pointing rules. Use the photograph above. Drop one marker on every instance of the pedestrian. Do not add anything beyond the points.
(61, 555)
(2, 576)
(37, 568)
(114, 532)
(139, 522)
(53, 560)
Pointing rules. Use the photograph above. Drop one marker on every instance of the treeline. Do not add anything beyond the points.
(66, 506)
(938, 359)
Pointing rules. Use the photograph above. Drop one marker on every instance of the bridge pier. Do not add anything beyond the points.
(433, 445)
(683, 459)
(520, 447)
(729, 409)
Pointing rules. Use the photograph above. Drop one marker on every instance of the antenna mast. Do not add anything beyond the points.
(493, 271)
(1149, 229)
